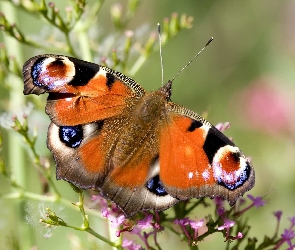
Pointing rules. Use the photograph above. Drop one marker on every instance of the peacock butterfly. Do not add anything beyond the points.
(141, 150)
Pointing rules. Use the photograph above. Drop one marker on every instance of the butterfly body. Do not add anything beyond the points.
(141, 150)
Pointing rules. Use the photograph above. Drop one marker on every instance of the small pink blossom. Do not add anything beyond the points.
(99, 200)
(222, 126)
(287, 236)
(105, 212)
(227, 224)
(130, 245)
(116, 221)
(257, 201)
(146, 222)
(292, 220)
(196, 225)
(240, 235)
(182, 222)
(268, 106)
(278, 214)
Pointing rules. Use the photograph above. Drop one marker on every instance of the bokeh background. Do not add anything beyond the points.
(246, 76)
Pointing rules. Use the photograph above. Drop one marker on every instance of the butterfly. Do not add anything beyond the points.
(139, 149)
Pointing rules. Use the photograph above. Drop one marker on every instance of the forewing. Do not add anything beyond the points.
(79, 92)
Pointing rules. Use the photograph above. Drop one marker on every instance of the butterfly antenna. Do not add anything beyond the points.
(210, 40)
(161, 56)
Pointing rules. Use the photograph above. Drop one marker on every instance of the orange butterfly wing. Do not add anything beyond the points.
(88, 105)
(79, 92)
(197, 160)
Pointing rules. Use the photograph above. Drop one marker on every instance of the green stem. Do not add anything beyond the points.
(23, 130)
(16, 156)
(70, 46)
(83, 40)
(95, 234)
(80, 205)
(21, 194)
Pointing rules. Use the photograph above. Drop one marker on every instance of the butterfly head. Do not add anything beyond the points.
(166, 90)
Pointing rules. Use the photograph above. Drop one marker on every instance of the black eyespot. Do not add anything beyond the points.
(71, 136)
(195, 124)
(155, 186)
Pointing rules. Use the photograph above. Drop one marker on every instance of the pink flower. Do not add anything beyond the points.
(258, 201)
(196, 225)
(105, 212)
(146, 222)
(222, 126)
(267, 106)
(130, 245)
(287, 236)
(116, 221)
(227, 224)
(278, 214)
(98, 200)
(292, 220)
(182, 222)
(240, 235)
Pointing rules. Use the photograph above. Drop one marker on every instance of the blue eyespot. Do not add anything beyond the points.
(155, 186)
(71, 136)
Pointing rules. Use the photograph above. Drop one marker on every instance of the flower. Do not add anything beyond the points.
(227, 224)
(287, 236)
(258, 201)
(182, 222)
(278, 214)
(146, 222)
(222, 126)
(196, 225)
(116, 221)
(105, 212)
(240, 235)
(130, 245)
(270, 107)
(292, 220)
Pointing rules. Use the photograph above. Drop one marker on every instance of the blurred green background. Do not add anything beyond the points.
(246, 76)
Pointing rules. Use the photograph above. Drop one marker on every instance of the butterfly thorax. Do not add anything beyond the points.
(141, 127)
